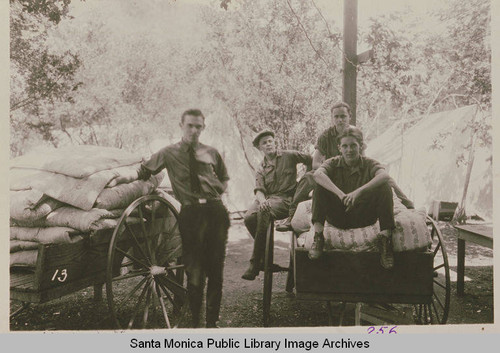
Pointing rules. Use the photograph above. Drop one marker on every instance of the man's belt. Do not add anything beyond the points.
(201, 202)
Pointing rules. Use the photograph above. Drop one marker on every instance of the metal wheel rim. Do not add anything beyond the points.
(268, 275)
(158, 282)
(436, 312)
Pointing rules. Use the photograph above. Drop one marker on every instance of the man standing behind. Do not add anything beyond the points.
(326, 147)
(199, 177)
(276, 180)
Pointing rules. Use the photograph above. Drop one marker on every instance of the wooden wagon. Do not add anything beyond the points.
(421, 279)
(138, 260)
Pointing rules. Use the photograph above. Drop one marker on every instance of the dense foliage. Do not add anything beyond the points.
(121, 72)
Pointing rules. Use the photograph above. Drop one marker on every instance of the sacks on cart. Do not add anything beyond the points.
(75, 190)
(411, 232)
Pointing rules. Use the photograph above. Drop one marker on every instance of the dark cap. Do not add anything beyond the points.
(260, 135)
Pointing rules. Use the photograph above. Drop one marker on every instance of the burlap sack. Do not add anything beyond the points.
(122, 195)
(20, 245)
(25, 258)
(50, 235)
(75, 218)
(29, 206)
(301, 221)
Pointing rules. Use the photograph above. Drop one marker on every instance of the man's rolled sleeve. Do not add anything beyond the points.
(152, 166)
(327, 167)
(304, 158)
(374, 167)
(221, 169)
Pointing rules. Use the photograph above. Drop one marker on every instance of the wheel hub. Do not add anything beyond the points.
(157, 270)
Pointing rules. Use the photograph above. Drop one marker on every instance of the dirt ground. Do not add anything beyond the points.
(242, 300)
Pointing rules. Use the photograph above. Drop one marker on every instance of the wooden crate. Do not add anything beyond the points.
(62, 269)
(359, 277)
(442, 210)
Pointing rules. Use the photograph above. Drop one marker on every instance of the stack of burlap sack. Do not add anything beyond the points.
(411, 233)
(59, 195)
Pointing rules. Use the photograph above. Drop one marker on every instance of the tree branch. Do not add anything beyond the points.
(307, 36)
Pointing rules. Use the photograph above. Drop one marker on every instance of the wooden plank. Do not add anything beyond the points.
(343, 274)
(484, 230)
(380, 316)
(63, 263)
(42, 296)
(365, 298)
(22, 279)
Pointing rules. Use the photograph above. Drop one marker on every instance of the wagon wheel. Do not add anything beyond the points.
(144, 278)
(437, 311)
(268, 274)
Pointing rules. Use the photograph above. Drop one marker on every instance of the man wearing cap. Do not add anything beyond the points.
(276, 180)
(199, 177)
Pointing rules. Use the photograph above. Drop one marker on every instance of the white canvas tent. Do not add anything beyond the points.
(423, 161)
(237, 151)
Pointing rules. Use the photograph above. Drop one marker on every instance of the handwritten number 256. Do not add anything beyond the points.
(382, 329)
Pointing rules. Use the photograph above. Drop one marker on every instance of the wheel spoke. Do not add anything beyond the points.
(144, 231)
(174, 267)
(438, 300)
(130, 275)
(436, 249)
(176, 286)
(162, 303)
(165, 290)
(439, 266)
(439, 284)
(137, 305)
(132, 292)
(136, 241)
(146, 306)
(131, 257)
(151, 230)
(436, 311)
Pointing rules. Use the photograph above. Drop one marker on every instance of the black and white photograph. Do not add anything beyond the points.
(204, 164)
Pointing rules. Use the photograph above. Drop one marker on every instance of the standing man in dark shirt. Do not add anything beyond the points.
(326, 147)
(276, 180)
(199, 177)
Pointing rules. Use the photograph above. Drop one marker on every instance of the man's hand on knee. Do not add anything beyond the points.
(265, 206)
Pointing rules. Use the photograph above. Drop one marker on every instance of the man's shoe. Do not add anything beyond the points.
(385, 248)
(317, 246)
(211, 324)
(285, 226)
(250, 273)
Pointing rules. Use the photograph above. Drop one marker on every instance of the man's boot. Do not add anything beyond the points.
(317, 246)
(251, 272)
(285, 226)
(385, 248)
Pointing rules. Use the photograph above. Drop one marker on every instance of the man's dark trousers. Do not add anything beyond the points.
(373, 205)
(203, 229)
(304, 188)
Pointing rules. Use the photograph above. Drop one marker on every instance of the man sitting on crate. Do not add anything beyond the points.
(327, 147)
(276, 180)
(353, 191)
